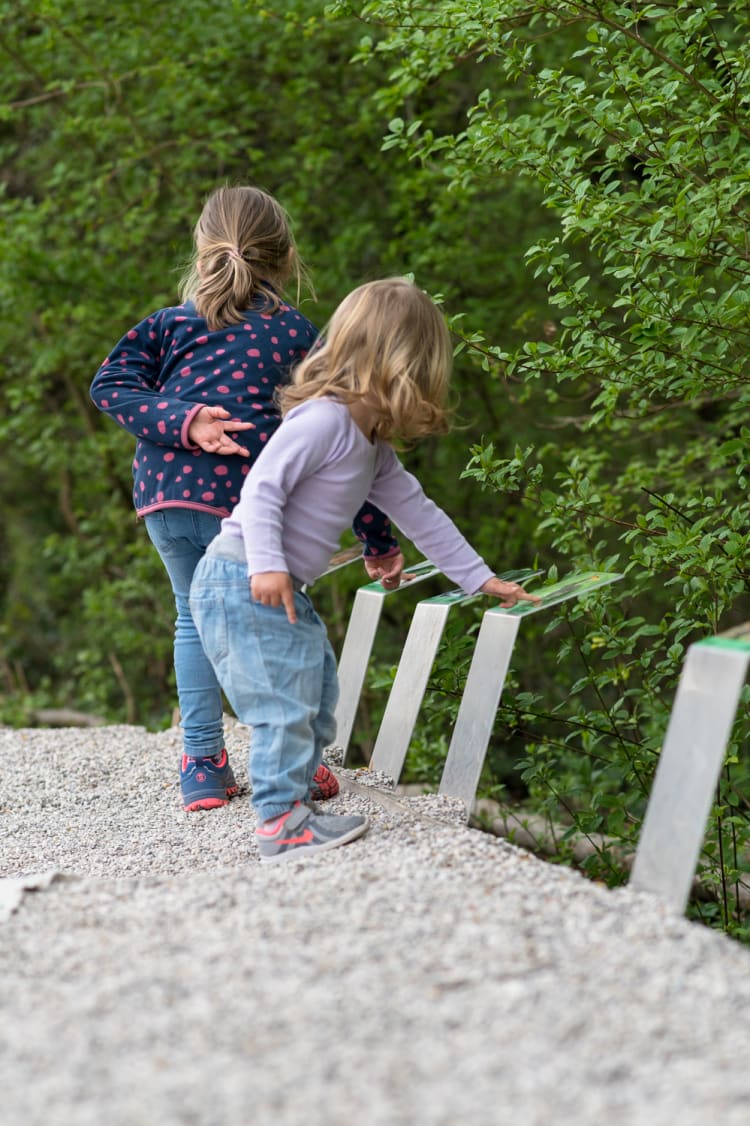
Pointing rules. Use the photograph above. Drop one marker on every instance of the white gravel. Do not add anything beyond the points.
(425, 974)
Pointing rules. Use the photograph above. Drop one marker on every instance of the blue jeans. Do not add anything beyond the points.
(181, 536)
(279, 678)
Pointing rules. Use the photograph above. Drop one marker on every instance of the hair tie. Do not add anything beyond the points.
(235, 254)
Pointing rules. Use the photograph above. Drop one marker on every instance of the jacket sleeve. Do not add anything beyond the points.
(373, 528)
(127, 388)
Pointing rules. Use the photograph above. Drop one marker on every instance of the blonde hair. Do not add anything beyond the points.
(388, 342)
(243, 248)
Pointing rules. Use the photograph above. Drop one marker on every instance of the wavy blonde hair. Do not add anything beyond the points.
(386, 342)
(243, 248)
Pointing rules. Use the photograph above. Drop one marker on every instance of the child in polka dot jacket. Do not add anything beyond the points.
(195, 385)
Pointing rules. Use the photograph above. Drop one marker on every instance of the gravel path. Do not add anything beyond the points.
(153, 972)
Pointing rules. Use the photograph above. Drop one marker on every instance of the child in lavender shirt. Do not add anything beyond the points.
(381, 376)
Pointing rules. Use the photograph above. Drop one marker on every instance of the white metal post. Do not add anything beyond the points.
(486, 678)
(699, 729)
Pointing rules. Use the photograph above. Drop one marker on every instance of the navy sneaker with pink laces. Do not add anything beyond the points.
(206, 783)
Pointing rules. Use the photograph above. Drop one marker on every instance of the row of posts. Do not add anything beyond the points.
(703, 713)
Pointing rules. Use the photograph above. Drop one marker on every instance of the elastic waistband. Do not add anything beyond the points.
(232, 548)
(227, 547)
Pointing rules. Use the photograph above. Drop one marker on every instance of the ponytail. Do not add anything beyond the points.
(244, 250)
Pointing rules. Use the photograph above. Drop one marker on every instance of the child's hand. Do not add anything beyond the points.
(274, 588)
(209, 431)
(508, 593)
(387, 570)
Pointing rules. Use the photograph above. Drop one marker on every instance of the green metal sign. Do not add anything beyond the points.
(575, 586)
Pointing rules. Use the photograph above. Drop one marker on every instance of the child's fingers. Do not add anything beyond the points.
(508, 593)
(287, 598)
(392, 574)
(274, 588)
(229, 446)
(220, 414)
(518, 594)
(524, 596)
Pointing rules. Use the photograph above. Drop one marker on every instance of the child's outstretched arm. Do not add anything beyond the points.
(400, 494)
(508, 593)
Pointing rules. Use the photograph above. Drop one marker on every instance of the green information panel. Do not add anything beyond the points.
(575, 586)
(736, 638)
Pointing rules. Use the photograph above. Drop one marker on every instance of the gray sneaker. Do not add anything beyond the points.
(303, 831)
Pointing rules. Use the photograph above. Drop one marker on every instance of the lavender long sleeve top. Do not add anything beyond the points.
(310, 480)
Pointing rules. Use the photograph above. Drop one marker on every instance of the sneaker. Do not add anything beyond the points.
(206, 782)
(302, 831)
(324, 784)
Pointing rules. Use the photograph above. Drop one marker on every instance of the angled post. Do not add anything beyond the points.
(486, 679)
(358, 643)
(699, 729)
(413, 672)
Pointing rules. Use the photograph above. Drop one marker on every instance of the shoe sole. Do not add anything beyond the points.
(309, 850)
(210, 803)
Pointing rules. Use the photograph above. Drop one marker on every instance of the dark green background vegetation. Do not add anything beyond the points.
(570, 179)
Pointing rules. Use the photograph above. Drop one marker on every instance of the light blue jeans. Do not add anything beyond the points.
(279, 678)
(181, 536)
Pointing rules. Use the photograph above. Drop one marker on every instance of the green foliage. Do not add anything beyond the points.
(109, 144)
(631, 123)
(570, 179)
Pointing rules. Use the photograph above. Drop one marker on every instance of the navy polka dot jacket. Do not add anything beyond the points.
(169, 366)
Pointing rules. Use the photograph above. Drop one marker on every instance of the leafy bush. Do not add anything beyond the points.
(631, 123)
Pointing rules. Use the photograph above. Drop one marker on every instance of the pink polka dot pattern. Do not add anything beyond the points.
(164, 370)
